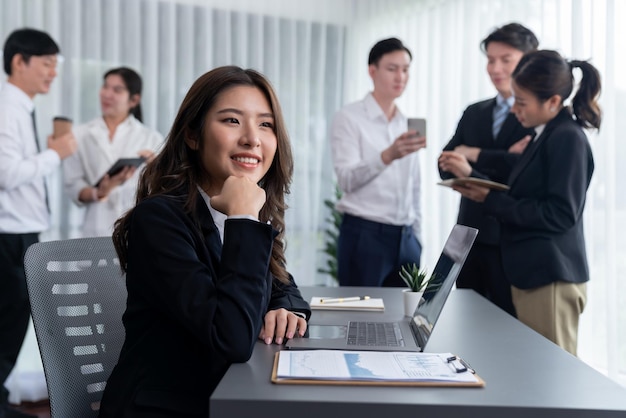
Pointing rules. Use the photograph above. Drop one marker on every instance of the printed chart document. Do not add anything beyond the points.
(461, 181)
(373, 367)
(362, 303)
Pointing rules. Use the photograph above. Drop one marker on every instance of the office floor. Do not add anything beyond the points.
(40, 409)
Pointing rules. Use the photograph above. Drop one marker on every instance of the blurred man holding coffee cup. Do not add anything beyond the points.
(30, 59)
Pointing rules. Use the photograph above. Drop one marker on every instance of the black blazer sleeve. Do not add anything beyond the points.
(219, 298)
(288, 297)
(475, 130)
(496, 164)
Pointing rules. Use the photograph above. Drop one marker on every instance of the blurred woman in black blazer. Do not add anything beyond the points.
(203, 250)
(542, 240)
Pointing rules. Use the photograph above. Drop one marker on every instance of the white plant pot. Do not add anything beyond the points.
(411, 300)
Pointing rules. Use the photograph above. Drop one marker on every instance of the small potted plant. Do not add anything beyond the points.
(416, 280)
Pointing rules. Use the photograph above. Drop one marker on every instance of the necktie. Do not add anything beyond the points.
(499, 115)
(45, 186)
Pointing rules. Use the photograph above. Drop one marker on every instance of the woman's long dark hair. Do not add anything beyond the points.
(178, 166)
(133, 83)
(545, 74)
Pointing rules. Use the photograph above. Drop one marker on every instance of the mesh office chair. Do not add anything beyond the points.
(78, 295)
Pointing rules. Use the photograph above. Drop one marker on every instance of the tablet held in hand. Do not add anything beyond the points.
(462, 181)
(120, 164)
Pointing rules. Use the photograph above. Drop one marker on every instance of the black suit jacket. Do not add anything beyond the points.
(194, 307)
(494, 162)
(541, 216)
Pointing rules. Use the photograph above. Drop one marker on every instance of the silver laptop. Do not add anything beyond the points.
(409, 335)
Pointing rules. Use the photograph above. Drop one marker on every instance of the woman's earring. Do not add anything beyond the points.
(552, 109)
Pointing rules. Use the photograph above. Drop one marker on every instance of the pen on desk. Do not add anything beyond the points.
(340, 300)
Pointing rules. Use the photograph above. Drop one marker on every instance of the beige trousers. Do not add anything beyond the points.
(552, 310)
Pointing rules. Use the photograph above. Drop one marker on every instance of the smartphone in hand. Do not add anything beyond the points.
(417, 124)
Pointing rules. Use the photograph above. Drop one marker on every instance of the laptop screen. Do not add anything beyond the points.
(446, 271)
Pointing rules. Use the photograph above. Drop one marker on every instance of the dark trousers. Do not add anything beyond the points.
(371, 253)
(483, 272)
(14, 305)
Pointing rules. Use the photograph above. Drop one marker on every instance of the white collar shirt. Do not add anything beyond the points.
(538, 131)
(23, 168)
(388, 194)
(218, 217)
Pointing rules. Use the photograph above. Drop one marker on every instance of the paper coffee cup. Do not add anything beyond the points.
(61, 125)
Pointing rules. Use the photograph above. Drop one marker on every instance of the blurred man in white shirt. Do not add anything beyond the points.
(30, 59)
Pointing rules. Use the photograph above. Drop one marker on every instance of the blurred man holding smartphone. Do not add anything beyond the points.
(377, 168)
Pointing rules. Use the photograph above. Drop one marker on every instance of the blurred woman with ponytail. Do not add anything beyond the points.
(542, 241)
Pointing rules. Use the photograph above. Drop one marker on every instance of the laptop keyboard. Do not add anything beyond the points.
(384, 334)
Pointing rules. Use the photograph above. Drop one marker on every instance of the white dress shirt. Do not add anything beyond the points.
(388, 194)
(538, 131)
(95, 155)
(23, 169)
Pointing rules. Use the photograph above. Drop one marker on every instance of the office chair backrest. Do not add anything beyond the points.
(78, 295)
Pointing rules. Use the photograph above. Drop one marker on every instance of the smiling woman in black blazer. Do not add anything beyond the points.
(542, 241)
(203, 250)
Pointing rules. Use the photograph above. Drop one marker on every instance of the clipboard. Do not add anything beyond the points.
(461, 181)
(478, 383)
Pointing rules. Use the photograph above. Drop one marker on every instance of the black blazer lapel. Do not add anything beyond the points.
(527, 156)
(509, 125)
(533, 146)
(209, 232)
(486, 120)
